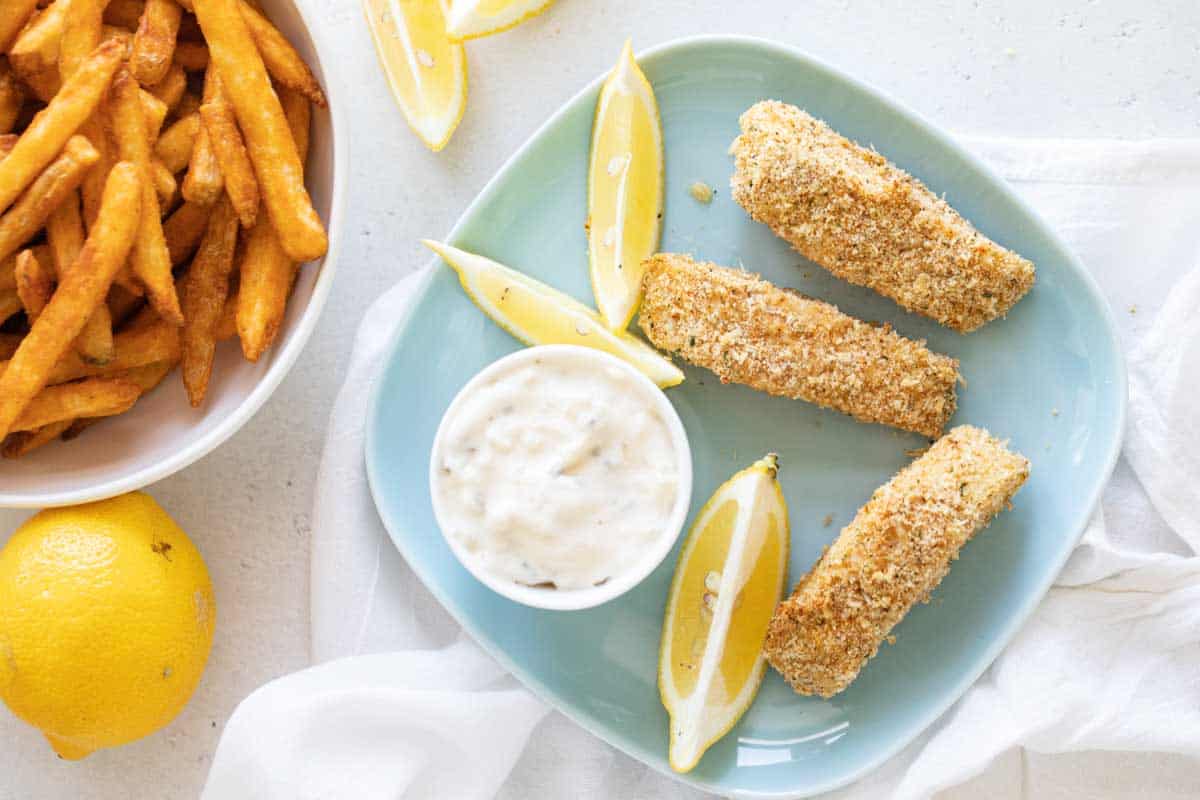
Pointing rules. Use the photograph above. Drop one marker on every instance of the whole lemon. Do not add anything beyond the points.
(106, 621)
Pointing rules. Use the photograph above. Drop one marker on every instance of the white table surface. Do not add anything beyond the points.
(1023, 68)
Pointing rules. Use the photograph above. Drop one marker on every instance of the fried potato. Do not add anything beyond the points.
(80, 291)
(92, 397)
(35, 285)
(174, 146)
(171, 88)
(147, 378)
(154, 42)
(12, 97)
(23, 443)
(154, 111)
(165, 184)
(268, 138)
(56, 183)
(9, 343)
(16, 14)
(34, 53)
(150, 260)
(281, 59)
(125, 14)
(10, 303)
(227, 324)
(226, 141)
(192, 56)
(182, 231)
(7, 142)
(55, 124)
(81, 35)
(205, 289)
(64, 235)
(152, 341)
(204, 181)
(267, 274)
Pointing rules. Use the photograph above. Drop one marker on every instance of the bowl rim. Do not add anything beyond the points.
(1019, 618)
(283, 359)
(572, 599)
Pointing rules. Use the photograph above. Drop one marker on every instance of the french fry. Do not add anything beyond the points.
(154, 42)
(189, 104)
(281, 59)
(80, 291)
(64, 234)
(7, 142)
(122, 304)
(205, 287)
(56, 183)
(12, 97)
(174, 146)
(9, 343)
(153, 341)
(150, 260)
(165, 184)
(124, 37)
(227, 324)
(10, 304)
(171, 88)
(34, 53)
(267, 274)
(16, 14)
(92, 397)
(35, 285)
(81, 34)
(8, 278)
(55, 124)
(125, 14)
(204, 182)
(23, 443)
(182, 231)
(192, 56)
(155, 113)
(147, 378)
(268, 139)
(226, 142)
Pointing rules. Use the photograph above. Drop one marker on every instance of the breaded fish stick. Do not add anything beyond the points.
(749, 331)
(868, 222)
(894, 553)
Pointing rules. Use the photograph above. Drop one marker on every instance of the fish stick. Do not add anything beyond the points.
(868, 222)
(749, 331)
(890, 557)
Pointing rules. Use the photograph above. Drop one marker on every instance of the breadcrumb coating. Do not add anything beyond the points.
(894, 553)
(868, 222)
(749, 331)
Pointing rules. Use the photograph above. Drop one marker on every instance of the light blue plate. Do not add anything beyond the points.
(1050, 377)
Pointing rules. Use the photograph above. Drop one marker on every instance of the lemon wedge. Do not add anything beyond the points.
(730, 576)
(471, 19)
(426, 71)
(539, 314)
(625, 189)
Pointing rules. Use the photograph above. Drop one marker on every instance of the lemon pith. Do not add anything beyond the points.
(539, 314)
(625, 189)
(730, 575)
(106, 621)
(473, 19)
(426, 71)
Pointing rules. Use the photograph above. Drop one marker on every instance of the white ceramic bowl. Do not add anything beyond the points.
(163, 434)
(572, 599)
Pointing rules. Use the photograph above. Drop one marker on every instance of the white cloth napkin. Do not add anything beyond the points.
(402, 705)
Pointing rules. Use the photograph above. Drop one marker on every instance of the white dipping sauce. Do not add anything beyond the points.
(557, 470)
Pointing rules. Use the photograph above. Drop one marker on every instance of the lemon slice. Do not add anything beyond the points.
(625, 189)
(539, 314)
(729, 578)
(471, 19)
(427, 71)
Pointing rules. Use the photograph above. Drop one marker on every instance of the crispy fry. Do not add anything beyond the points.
(8, 278)
(93, 397)
(174, 146)
(124, 13)
(64, 233)
(35, 51)
(81, 34)
(10, 303)
(189, 104)
(92, 191)
(56, 183)
(35, 284)
(267, 274)
(151, 261)
(55, 124)
(227, 324)
(80, 291)
(171, 88)
(9, 343)
(123, 304)
(25, 442)
(165, 184)
(151, 342)
(7, 142)
(12, 97)
(205, 289)
(226, 142)
(182, 231)
(16, 14)
(268, 138)
(192, 56)
(155, 113)
(154, 42)
(147, 378)
(204, 182)
(281, 59)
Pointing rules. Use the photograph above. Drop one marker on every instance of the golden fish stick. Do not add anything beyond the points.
(891, 556)
(749, 331)
(865, 220)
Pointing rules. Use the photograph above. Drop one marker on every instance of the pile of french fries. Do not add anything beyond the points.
(152, 200)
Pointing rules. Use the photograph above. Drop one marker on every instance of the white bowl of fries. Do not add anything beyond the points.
(159, 219)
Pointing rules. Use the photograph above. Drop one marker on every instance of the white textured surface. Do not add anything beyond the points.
(1079, 69)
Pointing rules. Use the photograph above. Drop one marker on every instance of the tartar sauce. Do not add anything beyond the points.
(557, 471)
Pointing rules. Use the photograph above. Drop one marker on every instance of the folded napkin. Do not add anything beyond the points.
(402, 705)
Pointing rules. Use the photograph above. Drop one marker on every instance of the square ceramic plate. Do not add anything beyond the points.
(1049, 377)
